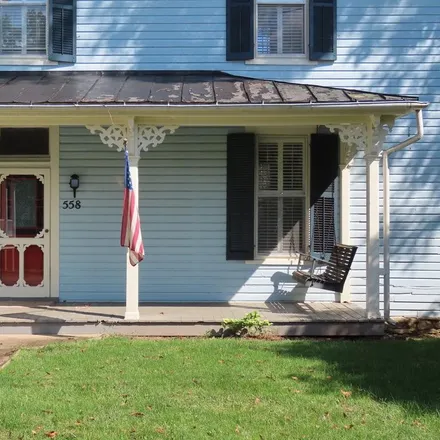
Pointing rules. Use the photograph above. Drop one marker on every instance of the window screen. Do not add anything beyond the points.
(281, 198)
(280, 29)
(22, 27)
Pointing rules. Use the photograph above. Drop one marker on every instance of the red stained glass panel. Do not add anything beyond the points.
(33, 265)
(9, 265)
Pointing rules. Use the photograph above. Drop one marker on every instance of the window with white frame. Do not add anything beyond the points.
(281, 197)
(281, 28)
(23, 27)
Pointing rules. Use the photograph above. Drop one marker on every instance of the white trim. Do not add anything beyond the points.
(54, 151)
(282, 60)
(304, 140)
(281, 2)
(26, 60)
(274, 261)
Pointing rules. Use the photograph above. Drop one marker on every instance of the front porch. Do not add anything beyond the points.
(197, 319)
(210, 236)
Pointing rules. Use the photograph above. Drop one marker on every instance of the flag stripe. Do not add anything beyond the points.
(131, 235)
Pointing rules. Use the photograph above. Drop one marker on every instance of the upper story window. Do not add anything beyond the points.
(35, 31)
(280, 29)
(23, 27)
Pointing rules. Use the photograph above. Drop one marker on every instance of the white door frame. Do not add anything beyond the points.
(52, 166)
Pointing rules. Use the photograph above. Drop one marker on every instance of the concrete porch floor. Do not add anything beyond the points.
(183, 319)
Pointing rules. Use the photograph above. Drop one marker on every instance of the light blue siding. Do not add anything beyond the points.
(383, 45)
(92, 264)
(183, 214)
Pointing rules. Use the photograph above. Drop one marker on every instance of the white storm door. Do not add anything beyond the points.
(24, 233)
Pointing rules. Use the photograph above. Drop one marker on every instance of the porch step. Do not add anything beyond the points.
(288, 319)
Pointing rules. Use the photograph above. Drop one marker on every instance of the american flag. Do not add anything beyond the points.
(131, 235)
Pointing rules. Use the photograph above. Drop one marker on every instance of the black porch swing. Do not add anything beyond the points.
(324, 172)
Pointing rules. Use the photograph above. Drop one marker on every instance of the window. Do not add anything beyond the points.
(281, 197)
(23, 27)
(280, 28)
(24, 142)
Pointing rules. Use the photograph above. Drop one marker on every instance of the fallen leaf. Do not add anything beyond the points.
(78, 422)
(294, 378)
(196, 381)
(51, 434)
(329, 378)
(91, 418)
(348, 426)
(149, 408)
(160, 430)
(237, 429)
(346, 394)
(417, 423)
(132, 430)
(257, 401)
(296, 391)
(125, 395)
(221, 361)
(37, 430)
(335, 427)
(326, 416)
(137, 414)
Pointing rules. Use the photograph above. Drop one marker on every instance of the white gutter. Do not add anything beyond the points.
(386, 209)
(392, 105)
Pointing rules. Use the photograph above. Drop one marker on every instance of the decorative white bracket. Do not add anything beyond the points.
(148, 136)
(355, 138)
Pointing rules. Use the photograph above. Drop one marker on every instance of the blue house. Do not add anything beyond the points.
(256, 129)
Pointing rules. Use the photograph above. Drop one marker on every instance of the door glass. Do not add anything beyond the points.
(21, 206)
(9, 265)
(33, 266)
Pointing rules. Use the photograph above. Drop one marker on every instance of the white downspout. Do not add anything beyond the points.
(386, 209)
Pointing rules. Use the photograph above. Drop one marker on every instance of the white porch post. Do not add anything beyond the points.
(344, 171)
(132, 272)
(373, 243)
(139, 138)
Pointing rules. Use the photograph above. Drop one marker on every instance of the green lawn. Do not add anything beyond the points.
(223, 389)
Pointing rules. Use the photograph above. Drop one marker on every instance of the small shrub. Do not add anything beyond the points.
(251, 323)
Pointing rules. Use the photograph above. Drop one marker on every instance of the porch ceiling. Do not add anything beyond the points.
(195, 89)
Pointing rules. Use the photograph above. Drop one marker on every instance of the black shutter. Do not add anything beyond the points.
(324, 170)
(322, 30)
(62, 30)
(239, 30)
(240, 196)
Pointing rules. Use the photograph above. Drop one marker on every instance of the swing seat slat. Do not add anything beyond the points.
(336, 271)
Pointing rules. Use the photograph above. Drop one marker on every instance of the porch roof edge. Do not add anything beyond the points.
(175, 89)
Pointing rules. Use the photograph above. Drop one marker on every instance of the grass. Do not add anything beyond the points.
(223, 389)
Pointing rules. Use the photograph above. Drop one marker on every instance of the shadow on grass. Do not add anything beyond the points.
(404, 372)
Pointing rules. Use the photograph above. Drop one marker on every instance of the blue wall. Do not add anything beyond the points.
(383, 45)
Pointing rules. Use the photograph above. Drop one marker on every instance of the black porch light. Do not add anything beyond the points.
(74, 183)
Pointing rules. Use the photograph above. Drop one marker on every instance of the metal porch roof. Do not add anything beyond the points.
(171, 88)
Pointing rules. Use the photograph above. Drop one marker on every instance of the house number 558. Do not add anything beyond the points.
(71, 204)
